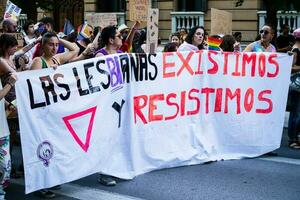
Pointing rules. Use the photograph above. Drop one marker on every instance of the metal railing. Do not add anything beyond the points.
(186, 20)
(292, 18)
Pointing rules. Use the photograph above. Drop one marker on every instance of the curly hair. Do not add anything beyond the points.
(189, 37)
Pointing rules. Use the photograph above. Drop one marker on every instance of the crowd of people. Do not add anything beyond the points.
(43, 48)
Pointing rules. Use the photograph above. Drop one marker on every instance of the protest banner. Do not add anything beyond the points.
(128, 114)
(12, 11)
(101, 19)
(221, 22)
(138, 10)
(152, 30)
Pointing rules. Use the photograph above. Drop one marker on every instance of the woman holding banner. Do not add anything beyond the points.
(50, 58)
(111, 41)
(194, 41)
(264, 44)
(8, 47)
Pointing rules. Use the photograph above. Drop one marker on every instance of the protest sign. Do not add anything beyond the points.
(12, 11)
(128, 114)
(221, 22)
(152, 30)
(101, 19)
(138, 10)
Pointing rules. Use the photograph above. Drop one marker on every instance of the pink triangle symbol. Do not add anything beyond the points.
(67, 119)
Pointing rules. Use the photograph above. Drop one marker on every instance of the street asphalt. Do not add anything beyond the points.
(266, 178)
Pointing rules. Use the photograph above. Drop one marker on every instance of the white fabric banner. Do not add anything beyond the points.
(127, 114)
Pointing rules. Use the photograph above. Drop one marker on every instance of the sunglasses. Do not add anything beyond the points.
(265, 32)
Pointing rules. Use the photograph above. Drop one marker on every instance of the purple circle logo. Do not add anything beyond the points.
(45, 152)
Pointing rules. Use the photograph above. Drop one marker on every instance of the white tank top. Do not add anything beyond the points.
(4, 131)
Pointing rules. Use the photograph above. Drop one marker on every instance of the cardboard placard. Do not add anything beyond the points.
(12, 11)
(152, 30)
(221, 22)
(101, 19)
(138, 10)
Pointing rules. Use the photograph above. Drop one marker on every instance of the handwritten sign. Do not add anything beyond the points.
(221, 22)
(101, 19)
(138, 10)
(152, 30)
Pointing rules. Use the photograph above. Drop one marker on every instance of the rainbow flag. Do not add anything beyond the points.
(68, 27)
(214, 43)
(84, 32)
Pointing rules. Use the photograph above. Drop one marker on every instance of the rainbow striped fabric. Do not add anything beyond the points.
(84, 31)
(214, 43)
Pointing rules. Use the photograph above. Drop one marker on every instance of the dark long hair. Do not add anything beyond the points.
(227, 43)
(107, 33)
(7, 41)
(189, 37)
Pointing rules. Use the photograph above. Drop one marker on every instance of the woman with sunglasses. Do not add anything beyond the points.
(111, 41)
(264, 44)
(194, 41)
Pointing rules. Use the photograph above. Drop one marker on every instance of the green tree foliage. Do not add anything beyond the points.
(30, 6)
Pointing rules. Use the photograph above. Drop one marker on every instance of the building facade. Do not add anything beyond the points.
(173, 15)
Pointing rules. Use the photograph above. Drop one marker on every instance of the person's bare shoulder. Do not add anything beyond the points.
(99, 55)
(36, 63)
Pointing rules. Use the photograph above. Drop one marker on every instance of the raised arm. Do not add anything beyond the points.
(132, 32)
(87, 53)
(67, 56)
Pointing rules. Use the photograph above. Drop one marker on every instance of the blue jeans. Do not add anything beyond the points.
(294, 119)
